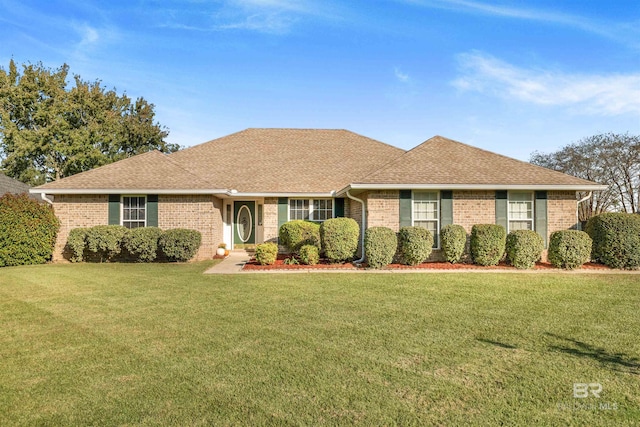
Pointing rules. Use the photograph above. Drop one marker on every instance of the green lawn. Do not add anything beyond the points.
(163, 344)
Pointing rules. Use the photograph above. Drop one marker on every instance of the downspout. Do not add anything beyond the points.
(362, 226)
(587, 197)
(46, 199)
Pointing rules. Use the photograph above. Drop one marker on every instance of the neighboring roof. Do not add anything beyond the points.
(148, 171)
(287, 160)
(442, 162)
(311, 161)
(10, 185)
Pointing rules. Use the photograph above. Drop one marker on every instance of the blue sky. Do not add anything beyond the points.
(508, 76)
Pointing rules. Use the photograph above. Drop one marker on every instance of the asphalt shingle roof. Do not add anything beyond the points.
(287, 160)
(152, 170)
(310, 161)
(444, 161)
(10, 185)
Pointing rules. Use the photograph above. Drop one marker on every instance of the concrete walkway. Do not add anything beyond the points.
(230, 265)
(237, 259)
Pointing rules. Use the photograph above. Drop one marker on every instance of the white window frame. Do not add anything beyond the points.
(146, 212)
(311, 208)
(438, 214)
(533, 210)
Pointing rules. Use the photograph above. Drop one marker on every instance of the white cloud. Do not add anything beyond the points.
(402, 77)
(611, 94)
(628, 33)
(88, 34)
(266, 16)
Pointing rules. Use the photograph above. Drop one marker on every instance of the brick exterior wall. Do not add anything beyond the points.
(270, 219)
(469, 208)
(474, 207)
(197, 212)
(78, 211)
(561, 210)
(382, 209)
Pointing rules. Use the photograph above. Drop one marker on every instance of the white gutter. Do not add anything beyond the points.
(45, 198)
(125, 190)
(219, 191)
(587, 197)
(552, 187)
(362, 226)
(235, 193)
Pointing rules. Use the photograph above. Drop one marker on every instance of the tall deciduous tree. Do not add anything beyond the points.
(610, 159)
(49, 131)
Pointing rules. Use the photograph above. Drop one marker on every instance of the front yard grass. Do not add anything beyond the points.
(163, 344)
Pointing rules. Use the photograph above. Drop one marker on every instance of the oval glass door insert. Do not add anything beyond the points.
(244, 223)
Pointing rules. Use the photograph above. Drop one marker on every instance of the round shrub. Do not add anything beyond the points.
(487, 243)
(76, 244)
(105, 241)
(524, 248)
(266, 253)
(142, 243)
(414, 245)
(616, 239)
(569, 249)
(297, 233)
(309, 255)
(28, 230)
(454, 240)
(380, 245)
(180, 244)
(339, 237)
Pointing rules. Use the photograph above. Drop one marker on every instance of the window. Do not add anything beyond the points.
(322, 209)
(134, 212)
(520, 211)
(298, 209)
(426, 211)
(310, 209)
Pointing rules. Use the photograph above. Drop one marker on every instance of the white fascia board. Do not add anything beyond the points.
(272, 194)
(125, 191)
(556, 187)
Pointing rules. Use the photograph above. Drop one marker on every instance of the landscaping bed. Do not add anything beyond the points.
(281, 264)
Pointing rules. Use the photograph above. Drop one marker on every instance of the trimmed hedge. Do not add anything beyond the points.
(414, 245)
(616, 239)
(266, 253)
(180, 244)
(297, 233)
(380, 245)
(524, 248)
(453, 239)
(76, 244)
(142, 243)
(104, 242)
(569, 249)
(487, 243)
(339, 237)
(309, 255)
(28, 230)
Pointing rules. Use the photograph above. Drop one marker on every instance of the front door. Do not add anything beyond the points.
(244, 224)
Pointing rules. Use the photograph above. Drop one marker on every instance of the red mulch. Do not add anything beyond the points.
(326, 265)
(280, 265)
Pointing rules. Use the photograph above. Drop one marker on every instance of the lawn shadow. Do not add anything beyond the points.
(496, 343)
(617, 361)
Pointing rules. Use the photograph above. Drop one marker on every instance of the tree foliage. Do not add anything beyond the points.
(610, 159)
(49, 131)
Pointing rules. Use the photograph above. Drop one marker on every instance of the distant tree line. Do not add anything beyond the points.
(609, 159)
(49, 130)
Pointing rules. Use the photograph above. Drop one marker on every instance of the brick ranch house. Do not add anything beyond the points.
(240, 188)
